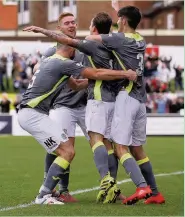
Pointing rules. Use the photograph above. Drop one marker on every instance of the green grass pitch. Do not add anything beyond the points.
(21, 174)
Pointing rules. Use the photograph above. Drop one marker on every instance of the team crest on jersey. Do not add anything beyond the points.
(65, 131)
(64, 136)
(79, 64)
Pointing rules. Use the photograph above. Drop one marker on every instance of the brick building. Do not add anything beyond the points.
(8, 15)
(162, 23)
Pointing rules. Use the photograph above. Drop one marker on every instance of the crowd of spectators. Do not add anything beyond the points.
(164, 85)
(16, 71)
(164, 81)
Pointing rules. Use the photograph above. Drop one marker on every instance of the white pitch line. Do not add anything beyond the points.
(87, 190)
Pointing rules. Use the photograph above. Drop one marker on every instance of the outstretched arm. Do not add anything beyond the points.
(94, 37)
(59, 37)
(107, 74)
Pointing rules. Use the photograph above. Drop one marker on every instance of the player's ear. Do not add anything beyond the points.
(124, 21)
(94, 29)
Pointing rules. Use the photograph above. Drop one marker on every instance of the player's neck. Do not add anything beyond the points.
(129, 30)
(95, 32)
(64, 54)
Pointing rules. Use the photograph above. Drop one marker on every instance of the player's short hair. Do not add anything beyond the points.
(132, 14)
(102, 21)
(65, 14)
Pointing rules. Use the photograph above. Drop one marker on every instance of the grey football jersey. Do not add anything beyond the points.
(49, 81)
(130, 50)
(100, 57)
(68, 97)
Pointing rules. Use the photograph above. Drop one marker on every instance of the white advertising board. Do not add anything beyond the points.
(156, 125)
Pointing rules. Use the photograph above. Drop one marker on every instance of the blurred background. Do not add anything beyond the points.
(162, 26)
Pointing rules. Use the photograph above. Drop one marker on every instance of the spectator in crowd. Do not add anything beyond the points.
(5, 103)
(1, 77)
(5, 75)
(149, 104)
(176, 105)
(163, 76)
(178, 77)
(161, 103)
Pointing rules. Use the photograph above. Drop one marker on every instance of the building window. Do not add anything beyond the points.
(170, 21)
(56, 7)
(23, 12)
(9, 2)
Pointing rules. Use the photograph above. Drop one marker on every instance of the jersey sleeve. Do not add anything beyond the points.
(111, 41)
(87, 47)
(71, 68)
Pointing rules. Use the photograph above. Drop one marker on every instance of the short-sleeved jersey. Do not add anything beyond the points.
(129, 49)
(48, 82)
(68, 97)
(99, 57)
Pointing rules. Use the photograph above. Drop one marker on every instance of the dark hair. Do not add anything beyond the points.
(132, 14)
(102, 21)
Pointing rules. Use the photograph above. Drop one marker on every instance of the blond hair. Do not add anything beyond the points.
(65, 14)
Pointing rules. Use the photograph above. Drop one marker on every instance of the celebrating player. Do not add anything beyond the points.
(69, 106)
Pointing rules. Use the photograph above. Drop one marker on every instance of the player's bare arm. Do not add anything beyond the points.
(78, 85)
(108, 74)
(94, 37)
(61, 38)
(36, 67)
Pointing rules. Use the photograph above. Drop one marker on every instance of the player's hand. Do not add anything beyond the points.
(132, 75)
(35, 29)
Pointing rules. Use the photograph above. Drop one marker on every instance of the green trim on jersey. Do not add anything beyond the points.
(34, 102)
(98, 83)
(130, 85)
(135, 36)
(57, 56)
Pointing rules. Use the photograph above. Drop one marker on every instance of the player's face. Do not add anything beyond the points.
(68, 26)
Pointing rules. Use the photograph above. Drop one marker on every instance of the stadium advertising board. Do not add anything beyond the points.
(5, 124)
(167, 125)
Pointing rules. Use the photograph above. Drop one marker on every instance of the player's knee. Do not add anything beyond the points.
(137, 152)
(120, 150)
(108, 144)
(66, 152)
(71, 153)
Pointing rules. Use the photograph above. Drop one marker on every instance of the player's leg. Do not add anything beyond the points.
(66, 119)
(95, 122)
(49, 158)
(113, 164)
(47, 133)
(122, 126)
(112, 158)
(136, 149)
